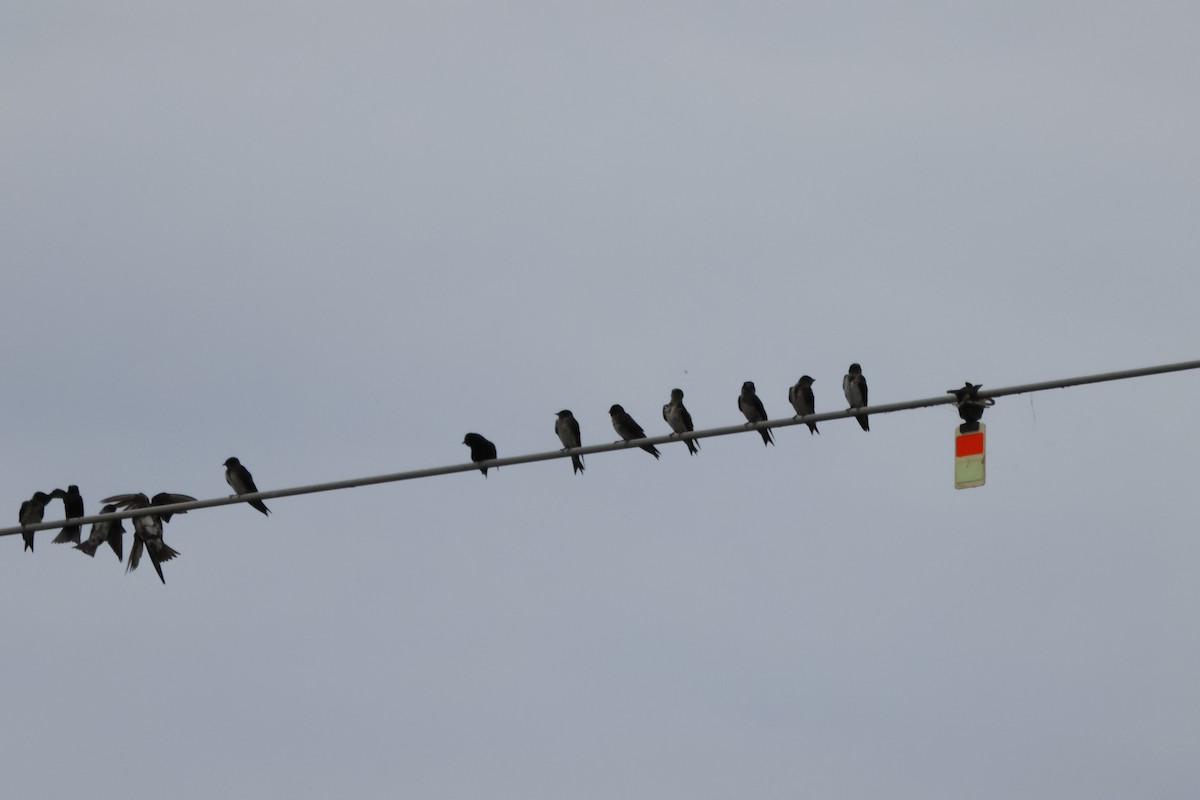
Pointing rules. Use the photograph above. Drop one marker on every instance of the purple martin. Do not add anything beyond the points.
(677, 416)
(148, 528)
(481, 449)
(72, 507)
(855, 387)
(567, 428)
(629, 430)
(239, 478)
(110, 531)
(752, 407)
(166, 499)
(969, 406)
(30, 514)
(801, 398)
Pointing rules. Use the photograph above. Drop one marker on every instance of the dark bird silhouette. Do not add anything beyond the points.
(31, 513)
(801, 398)
(970, 406)
(855, 387)
(677, 416)
(169, 498)
(628, 429)
(111, 531)
(752, 407)
(239, 478)
(567, 428)
(481, 449)
(72, 507)
(148, 528)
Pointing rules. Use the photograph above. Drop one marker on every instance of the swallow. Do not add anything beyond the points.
(801, 398)
(166, 499)
(239, 478)
(628, 429)
(969, 406)
(752, 407)
(567, 428)
(855, 387)
(30, 514)
(148, 528)
(110, 531)
(72, 507)
(677, 416)
(481, 449)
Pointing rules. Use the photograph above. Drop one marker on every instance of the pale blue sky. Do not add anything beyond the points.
(331, 240)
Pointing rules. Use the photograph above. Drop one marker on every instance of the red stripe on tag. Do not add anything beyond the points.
(969, 444)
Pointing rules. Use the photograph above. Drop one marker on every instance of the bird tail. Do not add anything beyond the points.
(261, 506)
(812, 428)
(117, 542)
(69, 534)
(652, 450)
(159, 552)
(767, 437)
(135, 554)
(28, 537)
(693, 446)
(577, 463)
(863, 421)
(89, 547)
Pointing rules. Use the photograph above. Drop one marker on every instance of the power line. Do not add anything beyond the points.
(708, 433)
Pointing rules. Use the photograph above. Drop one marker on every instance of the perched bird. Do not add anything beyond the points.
(481, 449)
(752, 407)
(855, 387)
(30, 514)
(567, 428)
(72, 507)
(628, 429)
(166, 499)
(239, 478)
(110, 531)
(148, 528)
(677, 416)
(801, 398)
(969, 406)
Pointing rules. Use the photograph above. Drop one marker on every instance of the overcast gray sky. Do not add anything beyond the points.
(331, 239)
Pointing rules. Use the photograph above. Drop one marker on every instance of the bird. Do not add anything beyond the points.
(30, 514)
(752, 407)
(969, 406)
(567, 428)
(72, 507)
(166, 499)
(239, 478)
(801, 398)
(628, 429)
(110, 531)
(148, 528)
(481, 449)
(677, 416)
(855, 387)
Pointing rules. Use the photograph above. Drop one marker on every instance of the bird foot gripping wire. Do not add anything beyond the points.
(970, 406)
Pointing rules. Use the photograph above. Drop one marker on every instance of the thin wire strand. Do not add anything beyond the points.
(333, 486)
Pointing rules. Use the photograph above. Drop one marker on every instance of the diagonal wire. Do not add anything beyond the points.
(394, 477)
